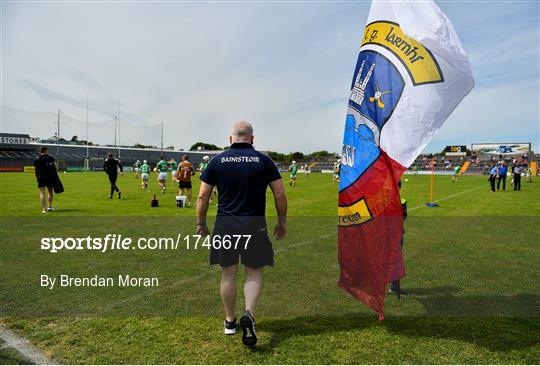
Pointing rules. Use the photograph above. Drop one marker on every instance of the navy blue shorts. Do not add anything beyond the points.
(253, 249)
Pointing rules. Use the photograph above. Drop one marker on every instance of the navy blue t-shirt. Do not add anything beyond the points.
(241, 175)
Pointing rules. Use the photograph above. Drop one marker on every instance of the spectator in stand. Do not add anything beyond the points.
(518, 170)
(501, 175)
(492, 176)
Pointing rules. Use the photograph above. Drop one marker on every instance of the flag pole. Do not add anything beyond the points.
(431, 184)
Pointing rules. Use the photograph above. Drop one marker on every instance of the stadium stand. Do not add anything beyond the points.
(17, 151)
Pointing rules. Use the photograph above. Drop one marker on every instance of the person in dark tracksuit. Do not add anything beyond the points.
(518, 170)
(111, 167)
(44, 170)
(395, 286)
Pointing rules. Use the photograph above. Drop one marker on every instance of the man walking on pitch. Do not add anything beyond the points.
(173, 164)
(145, 174)
(502, 171)
(137, 168)
(204, 163)
(44, 170)
(518, 170)
(202, 167)
(183, 176)
(294, 170)
(111, 167)
(337, 169)
(492, 176)
(242, 176)
(457, 168)
(162, 168)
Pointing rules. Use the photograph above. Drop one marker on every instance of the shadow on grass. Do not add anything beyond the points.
(494, 334)
(480, 320)
(62, 210)
(446, 301)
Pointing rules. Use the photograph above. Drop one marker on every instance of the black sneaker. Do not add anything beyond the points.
(399, 293)
(119, 195)
(249, 338)
(229, 327)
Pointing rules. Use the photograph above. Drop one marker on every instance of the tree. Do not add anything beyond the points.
(323, 154)
(204, 146)
(141, 146)
(277, 157)
(75, 138)
(297, 156)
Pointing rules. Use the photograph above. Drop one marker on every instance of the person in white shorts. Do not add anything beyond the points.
(145, 174)
(162, 168)
(173, 165)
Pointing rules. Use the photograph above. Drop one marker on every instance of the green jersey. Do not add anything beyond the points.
(162, 166)
(145, 168)
(293, 169)
(137, 164)
(457, 169)
(174, 165)
(202, 166)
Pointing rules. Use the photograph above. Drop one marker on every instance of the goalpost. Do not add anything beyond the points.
(93, 164)
(61, 165)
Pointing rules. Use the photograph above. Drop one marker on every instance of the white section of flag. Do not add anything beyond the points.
(423, 109)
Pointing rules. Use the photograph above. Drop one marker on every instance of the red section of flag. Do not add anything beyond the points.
(368, 252)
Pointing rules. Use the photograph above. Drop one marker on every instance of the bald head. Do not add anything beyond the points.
(242, 131)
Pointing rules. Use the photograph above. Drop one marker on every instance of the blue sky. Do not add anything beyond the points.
(286, 67)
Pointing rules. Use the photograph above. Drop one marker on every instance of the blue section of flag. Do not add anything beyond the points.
(375, 91)
(359, 152)
(385, 78)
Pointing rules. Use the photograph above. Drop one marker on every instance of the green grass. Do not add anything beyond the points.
(472, 268)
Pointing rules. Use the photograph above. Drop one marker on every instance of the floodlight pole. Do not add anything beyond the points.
(119, 144)
(115, 118)
(58, 134)
(162, 137)
(87, 135)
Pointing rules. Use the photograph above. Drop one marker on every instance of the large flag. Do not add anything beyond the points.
(411, 73)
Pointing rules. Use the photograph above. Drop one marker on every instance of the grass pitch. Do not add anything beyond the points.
(472, 268)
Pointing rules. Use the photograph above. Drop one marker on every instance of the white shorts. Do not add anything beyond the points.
(144, 176)
(174, 173)
(136, 170)
(162, 176)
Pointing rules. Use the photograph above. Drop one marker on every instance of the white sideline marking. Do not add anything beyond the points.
(24, 347)
(302, 243)
(448, 197)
